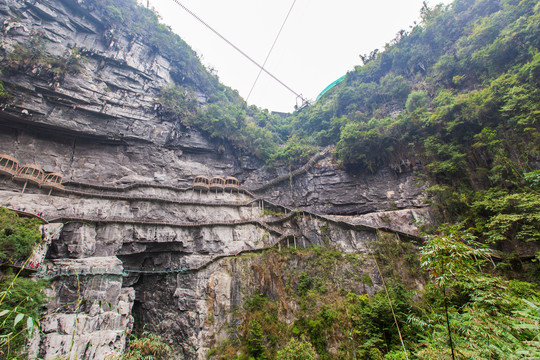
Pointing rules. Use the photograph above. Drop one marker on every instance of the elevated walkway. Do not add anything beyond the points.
(295, 173)
(270, 223)
(62, 272)
(113, 220)
(27, 214)
(72, 185)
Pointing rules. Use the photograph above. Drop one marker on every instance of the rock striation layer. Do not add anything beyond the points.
(138, 245)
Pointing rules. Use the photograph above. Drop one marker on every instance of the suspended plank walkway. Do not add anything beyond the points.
(26, 214)
(65, 272)
(124, 188)
(151, 198)
(295, 173)
(249, 192)
(116, 220)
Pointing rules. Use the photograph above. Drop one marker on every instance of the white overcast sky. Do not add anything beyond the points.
(320, 42)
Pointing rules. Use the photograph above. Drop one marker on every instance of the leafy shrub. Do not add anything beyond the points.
(18, 235)
(255, 302)
(297, 350)
(305, 283)
(21, 302)
(416, 100)
(3, 93)
(148, 346)
(533, 179)
(255, 341)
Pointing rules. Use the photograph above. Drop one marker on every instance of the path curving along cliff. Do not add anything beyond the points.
(130, 220)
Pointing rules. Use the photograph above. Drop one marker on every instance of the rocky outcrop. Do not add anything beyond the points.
(89, 315)
(184, 272)
(49, 233)
(137, 243)
(323, 188)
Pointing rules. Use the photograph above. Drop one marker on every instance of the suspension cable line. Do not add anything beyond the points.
(239, 50)
(269, 52)
(388, 297)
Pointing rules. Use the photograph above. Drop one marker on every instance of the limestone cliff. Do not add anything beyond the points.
(138, 241)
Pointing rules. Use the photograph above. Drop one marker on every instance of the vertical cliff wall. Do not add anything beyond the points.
(139, 245)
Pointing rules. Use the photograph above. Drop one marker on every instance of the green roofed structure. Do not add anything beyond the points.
(330, 86)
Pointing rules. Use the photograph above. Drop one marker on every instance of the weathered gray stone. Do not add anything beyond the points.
(103, 126)
(89, 316)
(49, 233)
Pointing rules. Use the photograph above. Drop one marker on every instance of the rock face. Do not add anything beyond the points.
(180, 264)
(95, 310)
(138, 244)
(103, 124)
(326, 189)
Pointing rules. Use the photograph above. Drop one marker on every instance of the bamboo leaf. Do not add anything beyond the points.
(30, 325)
(18, 319)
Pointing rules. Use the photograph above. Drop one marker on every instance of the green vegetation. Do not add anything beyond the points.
(18, 235)
(330, 319)
(32, 57)
(486, 316)
(221, 119)
(21, 302)
(148, 346)
(297, 350)
(481, 312)
(3, 93)
(20, 299)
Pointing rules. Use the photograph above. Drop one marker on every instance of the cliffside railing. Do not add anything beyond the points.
(123, 188)
(115, 220)
(67, 188)
(184, 269)
(249, 192)
(363, 226)
(295, 173)
(23, 212)
(151, 198)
